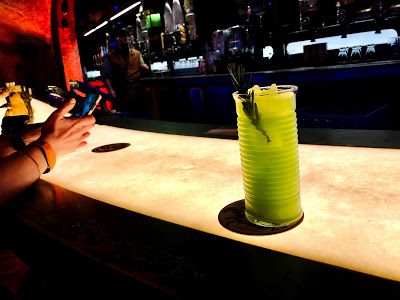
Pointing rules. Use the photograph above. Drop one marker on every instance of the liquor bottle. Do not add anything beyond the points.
(168, 19)
(107, 47)
(130, 37)
(379, 11)
(177, 15)
(190, 18)
(139, 30)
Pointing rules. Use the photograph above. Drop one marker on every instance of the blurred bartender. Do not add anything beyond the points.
(121, 70)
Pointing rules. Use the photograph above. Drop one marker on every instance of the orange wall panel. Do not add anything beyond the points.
(27, 53)
(68, 42)
(26, 48)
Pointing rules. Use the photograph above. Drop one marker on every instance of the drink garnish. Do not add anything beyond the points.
(247, 97)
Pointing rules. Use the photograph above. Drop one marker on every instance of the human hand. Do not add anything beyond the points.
(4, 94)
(32, 133)
(144, 66)
(65, 135)
(113, 93)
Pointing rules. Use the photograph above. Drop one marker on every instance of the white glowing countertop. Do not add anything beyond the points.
(350, 196)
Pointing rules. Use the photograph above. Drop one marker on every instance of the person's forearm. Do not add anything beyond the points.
(58, 136)
(107, 83)
(18, 171)
(111, 91)
(6, 147)
(28, 135)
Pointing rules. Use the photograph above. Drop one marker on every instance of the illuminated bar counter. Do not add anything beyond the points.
(146, 218)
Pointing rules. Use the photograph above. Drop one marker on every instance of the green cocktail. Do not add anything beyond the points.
(268, 142)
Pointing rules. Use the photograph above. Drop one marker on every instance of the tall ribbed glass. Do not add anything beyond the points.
(269, 156)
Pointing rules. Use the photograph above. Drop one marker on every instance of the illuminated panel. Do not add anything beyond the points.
(352, 40)
(350, 195)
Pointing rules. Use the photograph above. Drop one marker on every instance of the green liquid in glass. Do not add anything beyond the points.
(270, 169)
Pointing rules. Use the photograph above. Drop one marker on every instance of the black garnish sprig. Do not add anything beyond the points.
(238, 80)
(249, 106)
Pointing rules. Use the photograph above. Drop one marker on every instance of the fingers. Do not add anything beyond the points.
(81, 128)
(83, 121)
(63, 109)
(4, 94)
(82, 144)
(87, 127)
(88, 120)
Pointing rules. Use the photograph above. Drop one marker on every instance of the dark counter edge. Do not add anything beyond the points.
(93, 250)
(315, 136)
(328, 68)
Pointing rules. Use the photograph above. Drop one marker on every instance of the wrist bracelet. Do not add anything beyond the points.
(27, 155)
(48, 153)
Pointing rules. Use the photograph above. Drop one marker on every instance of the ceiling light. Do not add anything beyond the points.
(124, 11)
(94, 29)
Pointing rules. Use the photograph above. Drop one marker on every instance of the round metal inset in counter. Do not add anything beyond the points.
(232, 217)
(110, 147)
